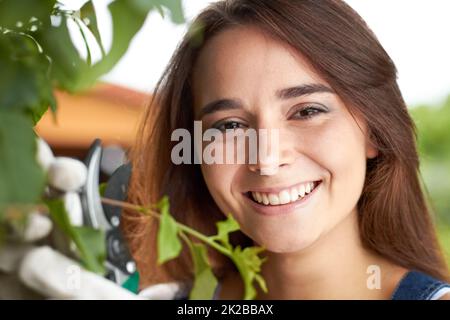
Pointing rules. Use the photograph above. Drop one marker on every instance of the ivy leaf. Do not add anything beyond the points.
(21, 178)
(89, 242)
(205, 282)
(169, 245)
(224, 228)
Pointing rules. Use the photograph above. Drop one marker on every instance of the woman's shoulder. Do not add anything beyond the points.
(417, 285)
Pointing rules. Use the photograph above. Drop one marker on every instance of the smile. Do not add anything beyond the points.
(283, 196)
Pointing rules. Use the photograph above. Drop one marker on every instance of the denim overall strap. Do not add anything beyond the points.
(417, 285)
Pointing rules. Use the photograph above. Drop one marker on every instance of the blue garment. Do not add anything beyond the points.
(416, 285)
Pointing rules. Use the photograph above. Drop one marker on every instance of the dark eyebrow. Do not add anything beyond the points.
(302, 90)
(220, 105)
(283, 94)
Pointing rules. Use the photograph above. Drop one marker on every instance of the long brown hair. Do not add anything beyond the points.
(394, 218)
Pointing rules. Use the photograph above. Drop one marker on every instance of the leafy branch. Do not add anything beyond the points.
(170, 234)
(38, 56)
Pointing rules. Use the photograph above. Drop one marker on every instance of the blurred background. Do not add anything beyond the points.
(414, 33)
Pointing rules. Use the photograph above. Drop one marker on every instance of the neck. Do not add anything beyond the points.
(334, 267)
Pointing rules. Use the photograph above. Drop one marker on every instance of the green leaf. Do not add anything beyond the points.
(68, 70)
(249, 264)
(92, 241)
(87, 11)
(223, 230)
(175, 8)
(247, 261)
(261, 282)
(13, 11)
(25, 84)
(205, 282)
(128, 17)
(89, 242)
(22, 180)
(169, 245)
(126, 22)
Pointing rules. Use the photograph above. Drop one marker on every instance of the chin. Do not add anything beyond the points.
(286, 242)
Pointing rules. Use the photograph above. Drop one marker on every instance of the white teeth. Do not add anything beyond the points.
(294, 194)
(307, 188)
(301, 190)
(273, 199)
(284, 196)
(265, 199)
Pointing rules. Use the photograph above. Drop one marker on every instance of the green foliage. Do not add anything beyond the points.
(249, 265)
(223, 229)
(89, 242)
(21, 180)
(88, 14)
(433, 125)
(433, 128)
(16, 14)
(205, 282)
(37, 56)
(247, 260)
(169, 245)
(24, 86)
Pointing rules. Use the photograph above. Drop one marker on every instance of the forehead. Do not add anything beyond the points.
(245, 60)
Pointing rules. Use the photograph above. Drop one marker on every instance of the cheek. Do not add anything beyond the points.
(218, 179)
(341, 151)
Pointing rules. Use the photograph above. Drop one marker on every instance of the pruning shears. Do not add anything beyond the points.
(119, 263)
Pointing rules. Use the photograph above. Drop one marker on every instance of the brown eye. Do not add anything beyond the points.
(227, 125)
(307, 112)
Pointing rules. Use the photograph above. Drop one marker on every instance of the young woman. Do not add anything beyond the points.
(342, 202)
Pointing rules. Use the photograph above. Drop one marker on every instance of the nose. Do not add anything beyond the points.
(274, 151)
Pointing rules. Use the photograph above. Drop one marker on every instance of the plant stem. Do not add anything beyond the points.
(182, 227)
(130, 206)
(205, 239)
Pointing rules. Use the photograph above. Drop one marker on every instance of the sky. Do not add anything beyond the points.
(415, 33)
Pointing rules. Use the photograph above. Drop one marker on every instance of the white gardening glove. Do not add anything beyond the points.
(60, 277)
(48, 271)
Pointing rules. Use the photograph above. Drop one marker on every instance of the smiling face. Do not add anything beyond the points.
(249, 80)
